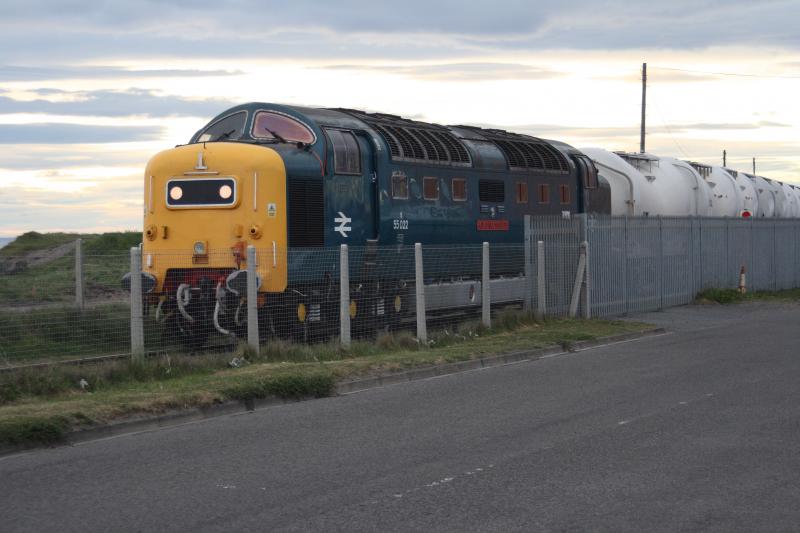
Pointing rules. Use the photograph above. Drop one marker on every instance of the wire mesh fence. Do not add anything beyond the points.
(69, 305)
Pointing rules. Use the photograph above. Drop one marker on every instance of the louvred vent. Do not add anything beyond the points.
(306, 213)
(409, 140)
(523, 152)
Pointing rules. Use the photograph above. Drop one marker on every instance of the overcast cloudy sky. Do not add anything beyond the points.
(89, 90)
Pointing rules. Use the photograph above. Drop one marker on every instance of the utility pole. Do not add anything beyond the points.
(644, 105)
(724, 158)
(754, 166)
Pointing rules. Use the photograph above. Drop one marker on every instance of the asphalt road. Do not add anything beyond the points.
(698, 430)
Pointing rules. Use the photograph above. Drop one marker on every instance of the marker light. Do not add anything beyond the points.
(225, 192)
(176, 193)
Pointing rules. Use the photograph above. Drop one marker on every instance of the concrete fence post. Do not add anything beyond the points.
(486, 293)
(541, 305)
(137, 322)
(344, 297)
(79, 298)
(586, 292)
(422, 330)
(528, 251)
(252, 300)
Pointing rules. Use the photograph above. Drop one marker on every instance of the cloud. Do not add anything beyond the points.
(460, 71)
(14, 73)
(53, 31)
(63, 133)
(116, 205)
(107, 103)
(16, 157)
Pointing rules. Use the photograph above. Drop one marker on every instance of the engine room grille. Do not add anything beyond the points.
(532, 155)
(492, 191)
(306, 213)
(409, 140)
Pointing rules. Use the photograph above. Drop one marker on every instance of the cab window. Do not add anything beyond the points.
(273, 125)
(229, 128)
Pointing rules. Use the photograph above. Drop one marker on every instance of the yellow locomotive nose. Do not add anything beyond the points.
(204, 203)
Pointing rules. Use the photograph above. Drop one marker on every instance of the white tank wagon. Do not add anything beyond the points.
(783, 199)
(656, 185)
(726, 198)
(747, 193)
(765, 195)
(796, 193)
(631, 193)
(644, 184)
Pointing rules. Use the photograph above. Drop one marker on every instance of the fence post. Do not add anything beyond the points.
(344, 297)
(79, 299)
(541, 307)
(422, 330)
(727, 268)
(252, 300)
(625, 293)
(752, 269)
(774, 254)
(586, 299)
(137, 323)
(528, 299)
(660, 264)
(486, 293)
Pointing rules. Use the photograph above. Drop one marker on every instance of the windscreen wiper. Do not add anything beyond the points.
(281, 139)
(225, 135)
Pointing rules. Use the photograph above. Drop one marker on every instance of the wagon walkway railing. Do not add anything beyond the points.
(71, 305)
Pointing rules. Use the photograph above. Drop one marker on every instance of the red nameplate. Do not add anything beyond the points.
(493, 225)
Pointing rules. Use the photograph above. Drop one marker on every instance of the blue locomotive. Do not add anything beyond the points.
(296, 180)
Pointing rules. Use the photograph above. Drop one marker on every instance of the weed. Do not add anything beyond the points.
(722, 296)
(33, 430)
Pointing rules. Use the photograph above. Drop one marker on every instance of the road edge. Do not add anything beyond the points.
(180, 417)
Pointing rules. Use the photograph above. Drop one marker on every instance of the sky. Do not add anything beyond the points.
(90, 90)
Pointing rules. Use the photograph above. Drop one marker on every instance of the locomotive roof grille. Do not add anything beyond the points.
(409, 140)
(524, 152)
(532, 155)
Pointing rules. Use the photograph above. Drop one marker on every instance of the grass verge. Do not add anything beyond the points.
(41, 406)
(729, 296)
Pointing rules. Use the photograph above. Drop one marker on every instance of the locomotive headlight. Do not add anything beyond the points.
(225, 192)
(176, 193)
(200, 248)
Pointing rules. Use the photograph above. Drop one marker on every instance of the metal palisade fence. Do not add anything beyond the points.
(70, 305)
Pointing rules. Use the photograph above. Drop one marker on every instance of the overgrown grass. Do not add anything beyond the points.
(104, 243)
(105, 261)
(64, 332)
(729, 296)
(42, 405)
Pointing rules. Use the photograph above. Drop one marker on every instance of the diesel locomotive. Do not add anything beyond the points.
(293, 180)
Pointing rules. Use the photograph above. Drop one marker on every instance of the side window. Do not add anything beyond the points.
(430, 188)
(229, 128)
(400, 187)
(522, 192)
(563, 193)
(346, 153)
(459, 186)
(544, 193)
(492, 191)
